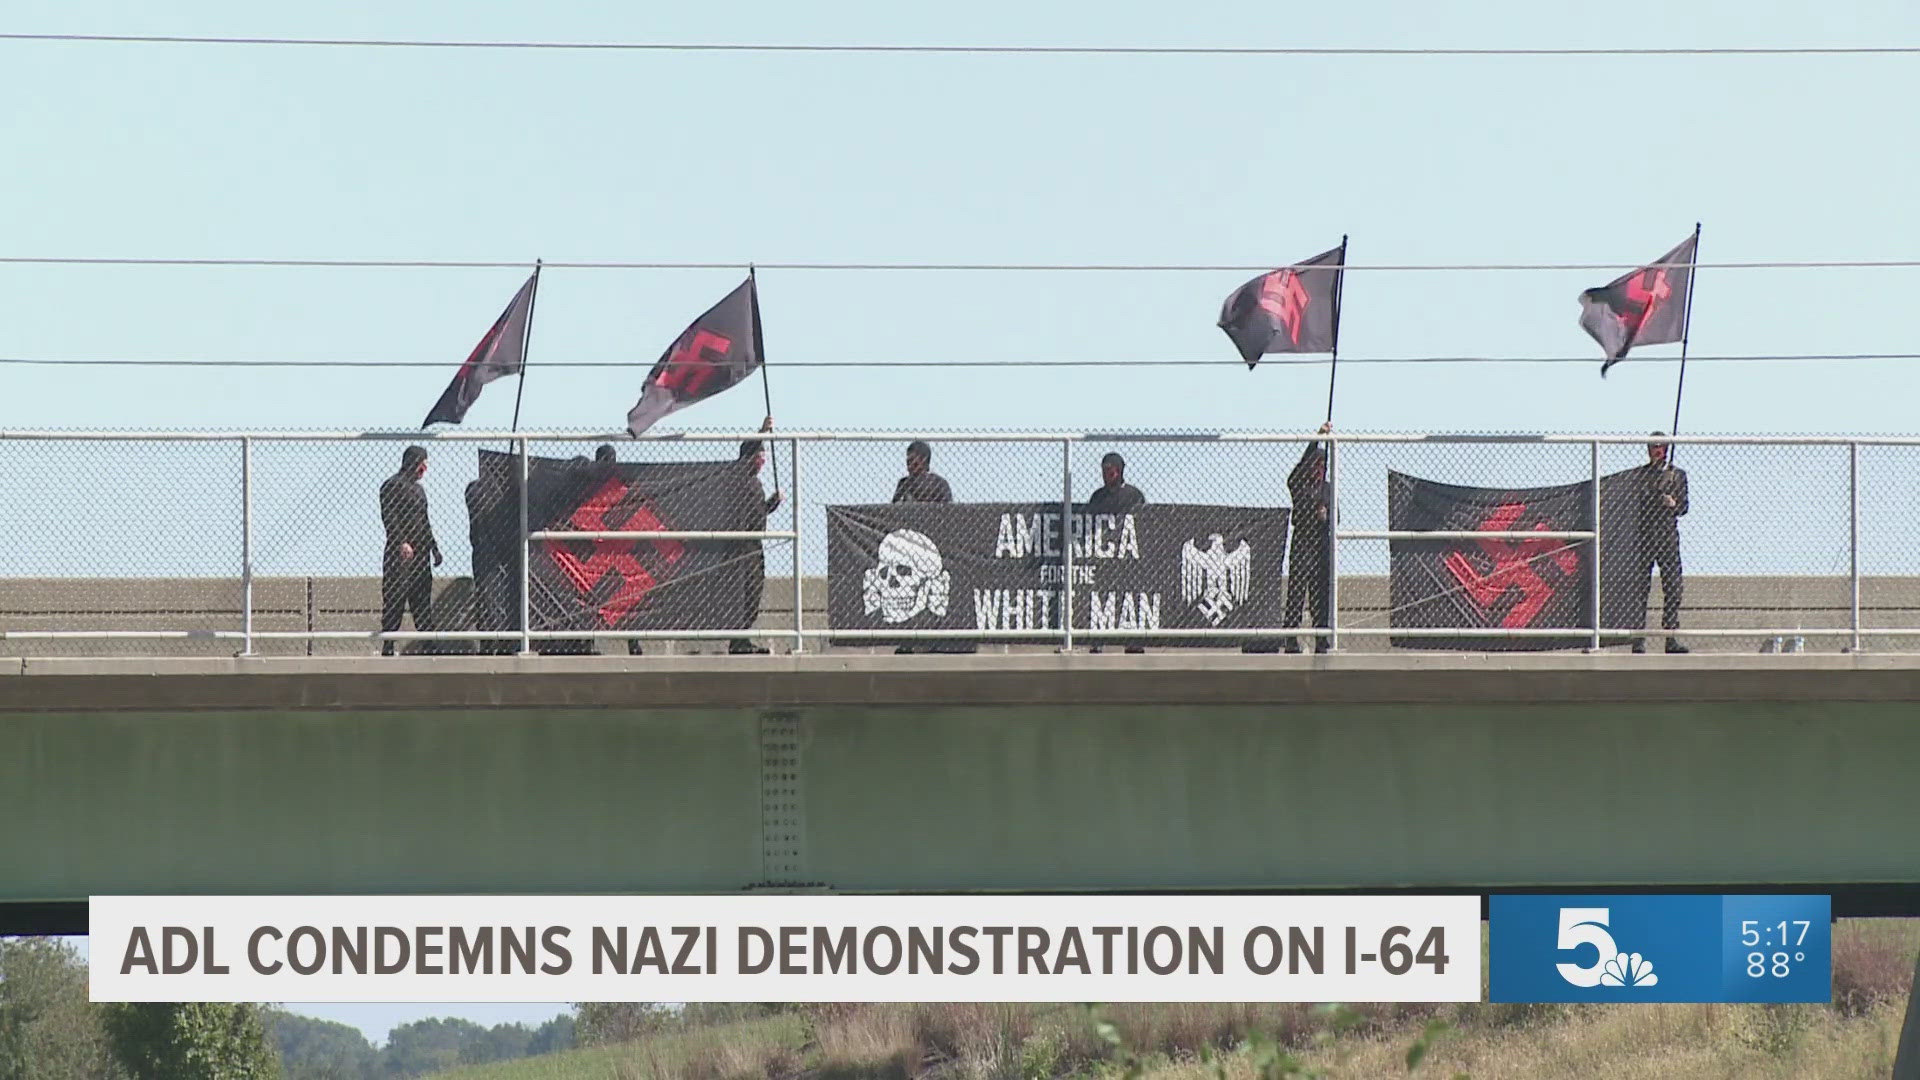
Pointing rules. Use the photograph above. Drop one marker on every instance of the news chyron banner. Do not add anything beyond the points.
(1000, 568)
(1695, 948)
(785, 948)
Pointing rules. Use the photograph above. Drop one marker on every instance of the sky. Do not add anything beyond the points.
(209, 151)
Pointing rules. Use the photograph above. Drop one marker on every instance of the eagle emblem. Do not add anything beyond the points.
(1213, 579)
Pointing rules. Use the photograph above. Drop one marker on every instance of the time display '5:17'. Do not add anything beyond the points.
(1783, 937)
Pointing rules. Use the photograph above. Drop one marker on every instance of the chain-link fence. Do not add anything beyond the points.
(288, 545)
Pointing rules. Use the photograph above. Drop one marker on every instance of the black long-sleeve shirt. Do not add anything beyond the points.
(403, 510)
(1114, 498)
(1661, 481)
(1307, 484)
(928, 487)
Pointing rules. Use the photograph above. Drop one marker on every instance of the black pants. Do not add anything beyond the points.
(489, 601)
(405, 586)
(1307, 571)
(1662, 549)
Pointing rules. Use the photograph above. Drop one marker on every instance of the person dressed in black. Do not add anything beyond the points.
(485, 501)
(755, 576)
(921, 485)
(1114, 496)
(1309, 562)
(1114, 493)
(1663, 502)
(411, 553)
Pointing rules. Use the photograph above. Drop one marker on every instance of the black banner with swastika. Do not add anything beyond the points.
(1515, 583)
(629, 584)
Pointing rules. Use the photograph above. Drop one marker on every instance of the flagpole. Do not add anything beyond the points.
(1339, 286)
(1686, 331)
(766, 388)
(526, 340)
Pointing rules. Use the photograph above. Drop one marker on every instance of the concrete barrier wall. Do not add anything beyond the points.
(957, 797)
(212, 802)
(353, 603)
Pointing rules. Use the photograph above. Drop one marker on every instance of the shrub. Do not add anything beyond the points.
(604, 1023)
(1771, 1029)
(1865, 974)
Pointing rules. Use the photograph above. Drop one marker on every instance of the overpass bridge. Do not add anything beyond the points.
(142, 755)
(1038, 772)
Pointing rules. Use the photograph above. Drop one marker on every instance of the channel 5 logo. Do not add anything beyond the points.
(1660, 948)
(1611, 967)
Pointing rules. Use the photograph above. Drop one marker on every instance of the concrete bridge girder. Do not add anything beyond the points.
(956, 773)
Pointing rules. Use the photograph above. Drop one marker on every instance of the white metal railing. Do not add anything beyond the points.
(909, 434)
(1067, 635)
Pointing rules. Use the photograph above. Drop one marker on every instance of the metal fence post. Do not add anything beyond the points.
(1593, 643)
(799, 597)
(1853, 535)
(526, 558)
(246, 545)
(1066, 547)
(1333, 543)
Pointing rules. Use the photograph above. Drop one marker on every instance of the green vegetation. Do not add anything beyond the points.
(190, 1041)
(48, 1028)
(50, 1031)
(322, 1050)
(1853, 1037)
(1209, 1042)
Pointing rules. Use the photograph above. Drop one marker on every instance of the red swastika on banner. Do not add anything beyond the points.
(1512, 567)
(695, 362)
(613, 556)
(1283, 297)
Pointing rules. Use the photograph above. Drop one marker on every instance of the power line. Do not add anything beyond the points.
(1244, 268)
(982, 50)
(1225, 362)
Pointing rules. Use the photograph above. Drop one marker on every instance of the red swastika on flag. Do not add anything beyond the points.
(1647, 290)
(694, 362)
(613, 556)
(1512, 567)
(1283, 297)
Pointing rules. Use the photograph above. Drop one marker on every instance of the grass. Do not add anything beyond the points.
(1620, 1042)
(748, 1048)
(1853, 1037)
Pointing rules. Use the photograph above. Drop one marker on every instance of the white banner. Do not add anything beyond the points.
(785, 948)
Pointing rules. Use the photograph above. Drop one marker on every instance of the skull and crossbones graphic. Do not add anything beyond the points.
(907, 578)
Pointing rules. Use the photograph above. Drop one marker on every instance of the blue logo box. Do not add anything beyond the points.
(1660, 948)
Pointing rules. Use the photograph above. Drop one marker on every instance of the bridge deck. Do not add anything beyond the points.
(1173, 677)
(1169, 771)
(337, 604)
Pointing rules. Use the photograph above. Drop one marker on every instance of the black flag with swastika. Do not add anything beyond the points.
(1295, 309)
(721, 348)
(501, 352)
(1645, 307)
